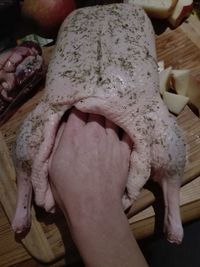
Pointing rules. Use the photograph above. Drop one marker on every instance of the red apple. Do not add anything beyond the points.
(47, 14)
(180, 12)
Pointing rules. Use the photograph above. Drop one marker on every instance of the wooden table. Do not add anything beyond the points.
(179, 48)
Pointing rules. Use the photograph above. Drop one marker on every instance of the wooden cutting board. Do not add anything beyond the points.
(48, 239)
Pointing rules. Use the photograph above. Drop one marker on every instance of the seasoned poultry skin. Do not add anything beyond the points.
(104, 63)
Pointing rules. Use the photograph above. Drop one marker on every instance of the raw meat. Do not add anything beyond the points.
(21, 69)
(104, 63)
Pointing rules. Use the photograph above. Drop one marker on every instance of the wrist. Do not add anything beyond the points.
(85, 210)
(102, 232)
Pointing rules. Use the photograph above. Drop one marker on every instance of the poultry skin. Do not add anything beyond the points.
(104, 63)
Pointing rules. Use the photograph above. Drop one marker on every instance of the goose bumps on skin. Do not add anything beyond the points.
(104, 63)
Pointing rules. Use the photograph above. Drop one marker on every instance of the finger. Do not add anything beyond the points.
(96, 120)
(126, 141)
(112, 129)
(76, 121)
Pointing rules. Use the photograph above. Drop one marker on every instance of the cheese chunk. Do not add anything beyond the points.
(155, 8)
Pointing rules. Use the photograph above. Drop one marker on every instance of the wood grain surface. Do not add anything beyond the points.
(179, 48)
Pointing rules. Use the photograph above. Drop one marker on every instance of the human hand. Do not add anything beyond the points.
(89, 162)
(88, 174)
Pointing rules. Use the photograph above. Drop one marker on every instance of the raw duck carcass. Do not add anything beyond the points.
(104, 63)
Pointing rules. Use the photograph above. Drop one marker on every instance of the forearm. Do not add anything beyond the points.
(103, 237)
(89, 171)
